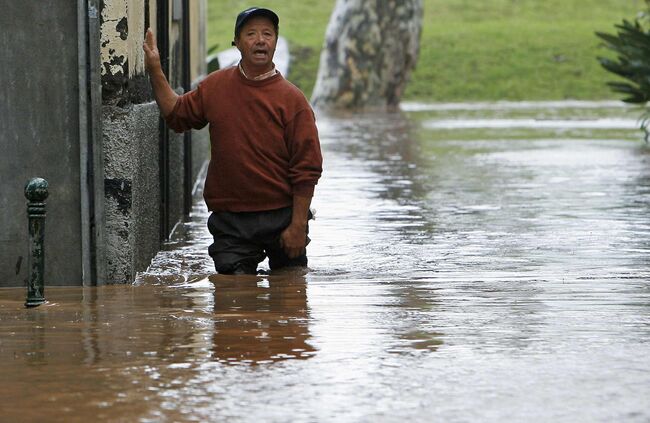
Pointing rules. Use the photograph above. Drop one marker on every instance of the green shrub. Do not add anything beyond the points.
(631, 43)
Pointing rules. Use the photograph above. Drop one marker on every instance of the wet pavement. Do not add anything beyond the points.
(469, 262)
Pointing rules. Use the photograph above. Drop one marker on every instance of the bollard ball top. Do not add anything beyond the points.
(36, 190)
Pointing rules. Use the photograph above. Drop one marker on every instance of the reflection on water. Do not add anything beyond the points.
(469, 272)
(122, 350)
(260, 319)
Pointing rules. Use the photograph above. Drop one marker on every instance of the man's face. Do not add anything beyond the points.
(256, 42)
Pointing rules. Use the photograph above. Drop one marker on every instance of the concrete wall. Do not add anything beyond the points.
(50, 76)
(131, 188)
(135, 206)
(39, 136)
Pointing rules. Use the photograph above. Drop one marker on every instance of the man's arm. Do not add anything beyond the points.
(305, 168)
(294, 238)
(162, 91)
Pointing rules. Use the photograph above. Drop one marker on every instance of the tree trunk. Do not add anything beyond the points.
(371, 47)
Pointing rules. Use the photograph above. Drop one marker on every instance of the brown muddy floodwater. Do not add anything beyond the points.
(469, 263)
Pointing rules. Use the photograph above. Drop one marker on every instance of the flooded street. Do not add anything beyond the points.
(469, 262)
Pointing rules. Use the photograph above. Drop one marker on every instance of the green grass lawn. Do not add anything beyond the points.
(470, 50)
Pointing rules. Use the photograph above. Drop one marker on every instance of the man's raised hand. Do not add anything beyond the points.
(151, 53)
(162, 92)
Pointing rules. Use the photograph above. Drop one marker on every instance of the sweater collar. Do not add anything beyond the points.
(258, 77)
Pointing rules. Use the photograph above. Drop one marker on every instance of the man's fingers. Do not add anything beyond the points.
(149, 41)
(145, 44)
(291, 243)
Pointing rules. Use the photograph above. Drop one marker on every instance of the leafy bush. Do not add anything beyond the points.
(631, 44)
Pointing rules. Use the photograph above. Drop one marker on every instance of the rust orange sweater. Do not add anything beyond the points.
(264, 142)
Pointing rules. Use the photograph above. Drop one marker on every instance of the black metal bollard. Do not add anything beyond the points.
(36, 193)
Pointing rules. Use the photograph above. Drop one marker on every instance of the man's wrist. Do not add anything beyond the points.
(156, 71)
(299, 224)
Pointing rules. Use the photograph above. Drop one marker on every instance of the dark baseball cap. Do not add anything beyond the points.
(255, 11)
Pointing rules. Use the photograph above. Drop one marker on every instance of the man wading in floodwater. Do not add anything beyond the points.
(265, 152)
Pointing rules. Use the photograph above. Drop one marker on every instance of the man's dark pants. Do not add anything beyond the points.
(243, 239)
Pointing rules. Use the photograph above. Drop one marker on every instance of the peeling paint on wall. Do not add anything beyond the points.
(122, 28)
(113, 45)
(136, 29)
(123, 25)
(122, 34)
